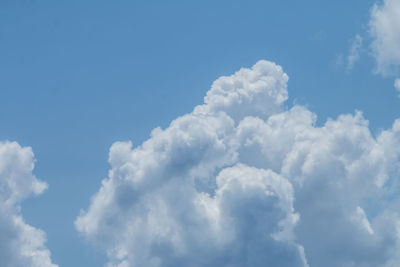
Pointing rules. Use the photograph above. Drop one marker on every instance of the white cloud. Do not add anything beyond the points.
(354, 54)
(20, 244)
(242, 181)
(385, 30)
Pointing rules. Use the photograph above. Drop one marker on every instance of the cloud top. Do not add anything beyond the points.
(258, 91)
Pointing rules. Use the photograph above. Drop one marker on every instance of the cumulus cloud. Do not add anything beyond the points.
(245, 181)
(20, 244)
(385, 30)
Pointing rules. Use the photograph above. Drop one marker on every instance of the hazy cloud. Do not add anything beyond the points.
(397, 84)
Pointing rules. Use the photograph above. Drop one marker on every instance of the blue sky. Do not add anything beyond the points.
(77, 76)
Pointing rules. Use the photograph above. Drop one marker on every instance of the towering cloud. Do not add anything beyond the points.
(244, 181)
(20, 244)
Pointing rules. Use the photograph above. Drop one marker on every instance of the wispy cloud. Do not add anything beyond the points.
(397, 84)
(354, 53)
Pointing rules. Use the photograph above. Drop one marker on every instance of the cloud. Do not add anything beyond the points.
(245, 181)
(20, 244)
(354, 54)
(397, 84)
(385, 29)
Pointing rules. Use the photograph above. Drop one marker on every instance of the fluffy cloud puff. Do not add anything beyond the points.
(20, 244)
(244, 181)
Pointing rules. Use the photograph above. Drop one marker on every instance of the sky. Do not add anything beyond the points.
(275, 106)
